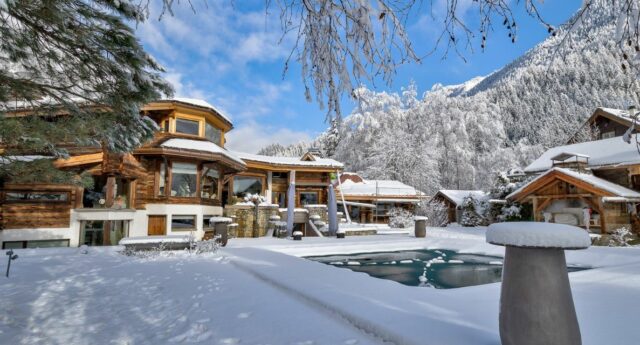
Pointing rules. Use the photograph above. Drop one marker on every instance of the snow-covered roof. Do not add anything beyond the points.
(611, 151)
(590, 179)
(10, 159)
(457, 196)
(620, 113)
(378, 188)
(199, 103)
(563, 156)
(200, 145)
(295, 161)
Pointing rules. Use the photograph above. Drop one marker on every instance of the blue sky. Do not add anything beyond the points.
(232, 54)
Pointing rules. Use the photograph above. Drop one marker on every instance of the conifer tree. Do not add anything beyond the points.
(79, 64)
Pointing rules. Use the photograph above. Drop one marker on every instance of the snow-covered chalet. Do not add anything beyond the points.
(591, 184)
(172, 184)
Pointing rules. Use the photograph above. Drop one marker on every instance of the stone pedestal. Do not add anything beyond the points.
(536, 305)
(420, 227)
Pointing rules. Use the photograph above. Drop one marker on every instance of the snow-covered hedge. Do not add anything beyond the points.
(400, 218)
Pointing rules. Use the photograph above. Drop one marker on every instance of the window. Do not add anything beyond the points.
(37, 196)
(183, 223)
(308, 198)
(209, 189)
(183, 183)
(243, 185)
(93, 232)
(607, 135)
(212, 133)
(187, 127)
(162, 179)
(34, 244)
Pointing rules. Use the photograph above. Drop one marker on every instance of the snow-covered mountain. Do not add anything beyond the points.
(459, 136)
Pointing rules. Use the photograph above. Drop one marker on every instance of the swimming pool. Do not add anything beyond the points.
(438, 268)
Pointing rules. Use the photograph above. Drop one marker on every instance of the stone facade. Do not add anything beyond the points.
(320, 210)
(244, 216)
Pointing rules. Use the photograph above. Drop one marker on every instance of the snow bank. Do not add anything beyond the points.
(538, 235)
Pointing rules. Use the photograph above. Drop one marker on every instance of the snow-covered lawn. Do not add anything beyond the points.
(258, 291)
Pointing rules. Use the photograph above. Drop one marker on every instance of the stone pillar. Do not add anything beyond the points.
(420, 227)
(536, 305)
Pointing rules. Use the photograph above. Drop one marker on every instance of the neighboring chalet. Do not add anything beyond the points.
(369, 201)
(607, 123)
(453, 199)
(171, 185)
(592, 184)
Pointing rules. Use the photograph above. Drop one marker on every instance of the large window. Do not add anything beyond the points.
(209, 189)
(187, 127)
(308, 198)
(183, 180)
(212, 133)
(34, 244)
(37, 196)
(183, 223)
(243, 185)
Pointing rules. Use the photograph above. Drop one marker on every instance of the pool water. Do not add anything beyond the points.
(438, 268)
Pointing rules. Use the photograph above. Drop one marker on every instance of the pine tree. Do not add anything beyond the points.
(79, 65)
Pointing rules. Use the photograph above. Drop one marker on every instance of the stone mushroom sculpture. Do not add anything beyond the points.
(536, 305)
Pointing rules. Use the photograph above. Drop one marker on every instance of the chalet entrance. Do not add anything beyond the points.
(103, 232)
(157, 225)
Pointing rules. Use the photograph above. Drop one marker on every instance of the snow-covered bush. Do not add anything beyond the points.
(208, 246)
(620, 237)
(437, 213)
(474, 212)
(400, 218)
(255, 199)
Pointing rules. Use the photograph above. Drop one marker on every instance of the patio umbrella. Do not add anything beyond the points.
(333, 211)
(291, 204)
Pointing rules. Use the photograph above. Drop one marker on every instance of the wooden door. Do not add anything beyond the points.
(157, 225)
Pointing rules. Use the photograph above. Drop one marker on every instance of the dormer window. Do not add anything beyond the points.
(185, 126)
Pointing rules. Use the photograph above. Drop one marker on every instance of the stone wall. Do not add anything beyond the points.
(244, 216)
(320, 210)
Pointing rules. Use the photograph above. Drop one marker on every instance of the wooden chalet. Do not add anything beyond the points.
(369, 201)
(172, 184)
(593, 184)
(608, 123)
(453, 200)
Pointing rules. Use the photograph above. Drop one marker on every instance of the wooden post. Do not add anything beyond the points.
(269, 186)
(536, 217)
(111, 185)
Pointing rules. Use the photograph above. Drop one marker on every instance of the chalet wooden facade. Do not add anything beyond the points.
(607, 123)
(171, 185)
(369, 201)
(593, 184)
